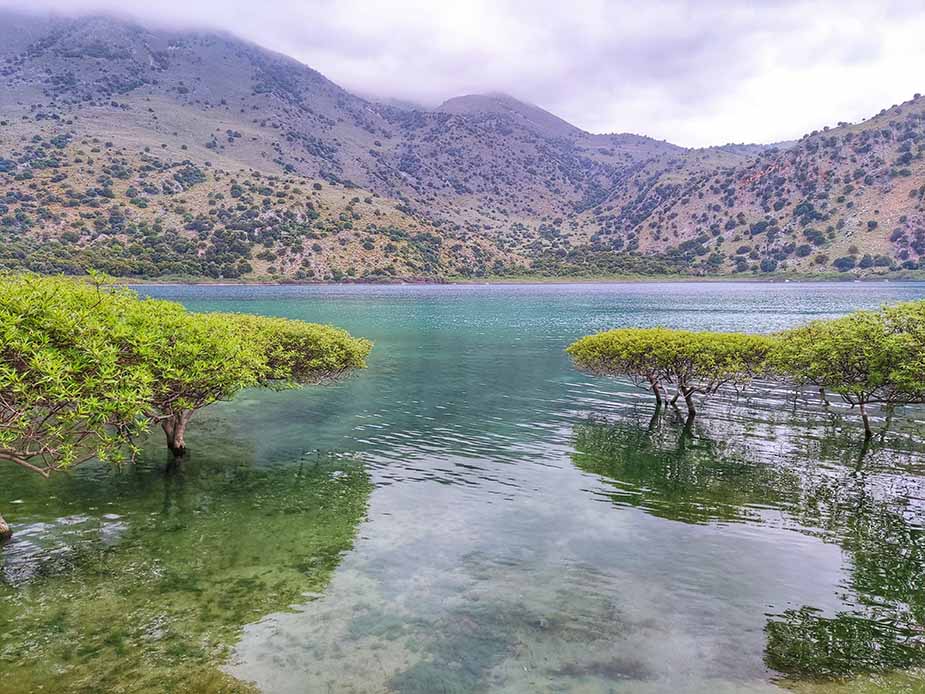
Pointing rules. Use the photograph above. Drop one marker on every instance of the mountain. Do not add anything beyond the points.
(526, 115)
(150, 152)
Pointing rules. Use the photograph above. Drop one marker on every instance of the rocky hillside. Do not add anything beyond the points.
(848, 198)
(151, 153)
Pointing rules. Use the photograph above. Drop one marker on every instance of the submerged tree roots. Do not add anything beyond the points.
(5, 532)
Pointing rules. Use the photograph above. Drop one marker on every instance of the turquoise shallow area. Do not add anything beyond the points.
(530, 528)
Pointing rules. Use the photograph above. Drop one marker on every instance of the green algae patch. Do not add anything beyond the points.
(155, 603)
(911, 682)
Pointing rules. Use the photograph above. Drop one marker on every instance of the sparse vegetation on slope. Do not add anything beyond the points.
(148, 153)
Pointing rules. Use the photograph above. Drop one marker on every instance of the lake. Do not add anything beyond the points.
(471, 514)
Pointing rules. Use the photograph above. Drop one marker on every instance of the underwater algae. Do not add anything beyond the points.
(205, 549)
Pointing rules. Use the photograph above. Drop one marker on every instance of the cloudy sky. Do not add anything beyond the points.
(694, 73)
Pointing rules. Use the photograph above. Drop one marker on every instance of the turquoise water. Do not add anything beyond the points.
(526, 528)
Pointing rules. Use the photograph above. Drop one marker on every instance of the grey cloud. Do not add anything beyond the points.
(694, 73)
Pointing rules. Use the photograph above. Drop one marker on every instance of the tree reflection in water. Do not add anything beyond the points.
(761, 463)
(141, 579)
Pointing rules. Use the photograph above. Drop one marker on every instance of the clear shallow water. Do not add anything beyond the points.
(505, 523)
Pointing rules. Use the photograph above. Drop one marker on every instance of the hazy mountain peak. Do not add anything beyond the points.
(504, 104)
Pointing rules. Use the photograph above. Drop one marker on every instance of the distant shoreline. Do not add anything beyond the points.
(525, 280)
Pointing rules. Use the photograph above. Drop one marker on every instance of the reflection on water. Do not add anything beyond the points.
(677, 472)
(146, 589)
(816, 481)
(529, 529)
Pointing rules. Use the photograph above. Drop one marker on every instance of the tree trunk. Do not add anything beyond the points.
(674, 399)
(5, 532)
(656, 388)
(868, 432)
(888, 421)
(175, 430)
(825, 398)
(689, 400)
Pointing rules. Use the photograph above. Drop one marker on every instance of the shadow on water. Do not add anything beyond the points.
(808, 472)
(140, 580)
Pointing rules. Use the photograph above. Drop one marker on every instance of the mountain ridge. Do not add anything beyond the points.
(487, 184)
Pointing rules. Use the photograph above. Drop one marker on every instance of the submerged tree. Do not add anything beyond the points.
(867, 358)
(209, 357)
(702, 363)
(694, 363)
(85, 368)
(861, 357)
(906, 323)
(197, 359)
(72, 386)
(639, 354)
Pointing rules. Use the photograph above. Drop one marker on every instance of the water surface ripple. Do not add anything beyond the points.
(532, 529)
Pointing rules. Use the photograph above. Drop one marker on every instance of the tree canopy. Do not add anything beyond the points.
(73, 384)
(694, 363)
(85, 367)
(867, 358)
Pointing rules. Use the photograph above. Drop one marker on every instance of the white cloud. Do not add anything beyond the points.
(694, 73)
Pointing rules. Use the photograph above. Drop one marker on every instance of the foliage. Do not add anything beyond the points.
(73, 385)
(693, 362)
(299, 353)
(85, 367)
(206, 358)
(906, 323)
(198, 359)
(867, 357)
(591, 261)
